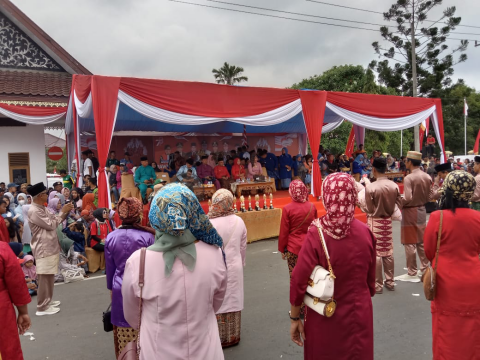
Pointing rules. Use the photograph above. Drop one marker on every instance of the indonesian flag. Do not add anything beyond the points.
(465, 107)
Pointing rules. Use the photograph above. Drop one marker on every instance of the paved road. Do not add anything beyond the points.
(402, 322)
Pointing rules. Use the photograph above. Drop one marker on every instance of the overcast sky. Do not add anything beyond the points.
(168, 40)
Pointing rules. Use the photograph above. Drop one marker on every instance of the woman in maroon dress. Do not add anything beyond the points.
(456, 308)
(348, 334)
(13, 291)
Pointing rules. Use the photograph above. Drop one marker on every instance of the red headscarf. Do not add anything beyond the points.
(339, 198)
(237, 169)
(298, 191)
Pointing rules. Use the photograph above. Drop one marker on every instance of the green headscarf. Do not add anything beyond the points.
(63, 240)
(179, 220)
(95, 201)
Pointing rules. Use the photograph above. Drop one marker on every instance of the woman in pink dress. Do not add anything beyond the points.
(348, 334)
(254, 168)
(234, 235)
(185, 281)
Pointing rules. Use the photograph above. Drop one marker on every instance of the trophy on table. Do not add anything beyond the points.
(250, 203)
(257, 203)
(271, 201)
(265, 207)
(242, 204)
(235, 204)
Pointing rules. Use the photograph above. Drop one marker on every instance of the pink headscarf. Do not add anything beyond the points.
(52, 205)
(339, 198)
(298, 191)
(32, 271)
(52, 195)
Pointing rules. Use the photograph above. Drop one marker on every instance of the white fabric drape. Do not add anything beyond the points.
(434, 119)
(32, 120)
(269, 118)
(382, 124)
(331, 126)
(84, 110)
(359, 134)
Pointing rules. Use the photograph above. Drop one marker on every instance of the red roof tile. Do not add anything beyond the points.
(35, 83)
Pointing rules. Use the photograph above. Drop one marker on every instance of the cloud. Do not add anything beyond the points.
(168, 40)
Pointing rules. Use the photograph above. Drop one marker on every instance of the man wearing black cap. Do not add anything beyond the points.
(57, 186)
(45, 246)
(442, 172)
(381, 197)
(145, 177)
(476, 194)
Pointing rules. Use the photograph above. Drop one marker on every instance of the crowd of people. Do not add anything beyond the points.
(193, 266)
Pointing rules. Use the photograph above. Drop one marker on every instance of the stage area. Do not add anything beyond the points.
(259, 228)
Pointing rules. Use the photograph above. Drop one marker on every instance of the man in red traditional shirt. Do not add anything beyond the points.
(222, 174)
(430, 144)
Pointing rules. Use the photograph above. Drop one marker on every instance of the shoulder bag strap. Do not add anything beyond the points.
(438, 240)
(141, 282)
(325, 250)
(306, 217)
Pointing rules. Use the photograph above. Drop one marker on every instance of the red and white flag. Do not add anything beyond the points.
(465, 107)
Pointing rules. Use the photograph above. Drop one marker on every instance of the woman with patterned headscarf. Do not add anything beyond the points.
(455, 315)
(232, 230)
(185, 281)
(296, 219)
(351, 246)
(119, 246)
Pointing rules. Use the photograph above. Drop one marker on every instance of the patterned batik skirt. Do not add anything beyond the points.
(292, 261)
(382, 229)
(229, 326)
(122, 336)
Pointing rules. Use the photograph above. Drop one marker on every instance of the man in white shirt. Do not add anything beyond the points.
(87, 165)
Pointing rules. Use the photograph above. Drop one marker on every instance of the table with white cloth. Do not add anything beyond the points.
(268, 186)
(263, 224)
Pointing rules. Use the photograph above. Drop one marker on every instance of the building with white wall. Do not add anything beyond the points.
(35, 71)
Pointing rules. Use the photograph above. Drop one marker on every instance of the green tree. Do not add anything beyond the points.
(434, 58)
(453, 118)
(350, 78)
(229, 74)
(59, 165)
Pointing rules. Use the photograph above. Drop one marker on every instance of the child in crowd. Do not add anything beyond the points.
(13, 231)
(30, 272)
(75, 232)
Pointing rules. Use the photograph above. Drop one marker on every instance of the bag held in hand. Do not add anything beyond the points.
(107, 320)
(319, 295)
(131, 351)
(429, 277)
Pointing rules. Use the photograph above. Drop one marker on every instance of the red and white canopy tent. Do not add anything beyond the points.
(101, 103)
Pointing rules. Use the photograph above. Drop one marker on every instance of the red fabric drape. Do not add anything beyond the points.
(475, 148)
(313, 107)
(104, 97)
(34, 110)
(210, 100)
(82, 86)
(383, 106)
(350, 143)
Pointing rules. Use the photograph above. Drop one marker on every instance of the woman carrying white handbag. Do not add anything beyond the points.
(339, 321)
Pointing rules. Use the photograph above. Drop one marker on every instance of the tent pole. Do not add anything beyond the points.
(401, 143)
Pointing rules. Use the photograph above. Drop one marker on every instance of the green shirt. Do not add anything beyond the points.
(111, 162)
(68, 182)
(144, 173)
